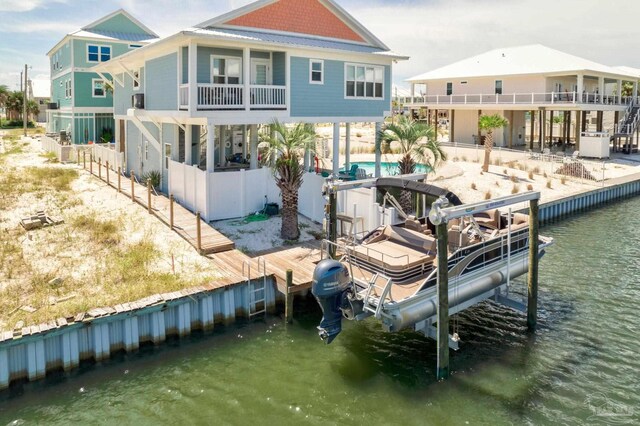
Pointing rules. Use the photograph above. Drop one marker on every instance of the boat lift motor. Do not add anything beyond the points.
(331, 287)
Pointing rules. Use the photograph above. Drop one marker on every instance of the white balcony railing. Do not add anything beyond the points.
(220, 96)
(518, 99)
(231, 96)
(268, 96)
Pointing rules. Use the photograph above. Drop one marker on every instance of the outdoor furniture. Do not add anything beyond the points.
(343, 218)
(351, 174)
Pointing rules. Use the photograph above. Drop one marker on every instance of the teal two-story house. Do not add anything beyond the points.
(81, 103)
(190, 106)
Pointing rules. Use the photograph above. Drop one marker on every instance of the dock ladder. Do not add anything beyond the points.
(257, 288)
(384, 289)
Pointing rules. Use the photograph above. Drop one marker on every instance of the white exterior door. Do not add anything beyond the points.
(260, 72)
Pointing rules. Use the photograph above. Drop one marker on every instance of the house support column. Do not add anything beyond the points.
(600, 90)
(541, 135)
(336, 149)
(599, 121)
(580, 88)
(635, 90)
(378, 168)
(619, 92)
(532, 117)
(616, 120)
(253, 147)
(583, 122)
(193, 77)
(188, 149)
(550, 128)
(211, 147)
(579, 115)
(246, 78)
(347, 147)
(452, 125)
(510, 129)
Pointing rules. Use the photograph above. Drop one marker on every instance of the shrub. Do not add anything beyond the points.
(515, 189)
(531, 175)
(529, 187)
(514, 179)
(155, 177)
(563, 180)
(549, 184)
(487, 195)
(473, 186)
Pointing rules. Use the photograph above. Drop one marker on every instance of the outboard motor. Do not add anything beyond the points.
(331, 287)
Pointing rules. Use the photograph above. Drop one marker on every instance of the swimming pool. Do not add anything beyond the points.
(387, 168)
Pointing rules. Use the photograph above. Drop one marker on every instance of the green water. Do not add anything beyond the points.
(581, 367)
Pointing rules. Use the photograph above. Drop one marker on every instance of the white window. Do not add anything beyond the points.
(136, 80)
(498, 88)
(98, 88)
(316, 71)
(364, 81)
(146, 149)
(97, 53)
(449, 88)
(67, 89)
(226, 70)
(167, 155)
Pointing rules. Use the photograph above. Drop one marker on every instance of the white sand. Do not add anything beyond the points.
(254, 237)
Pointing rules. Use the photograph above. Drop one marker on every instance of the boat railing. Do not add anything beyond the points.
(349, 249)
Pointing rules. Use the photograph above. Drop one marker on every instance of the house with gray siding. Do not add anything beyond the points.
(81, 105)
(191, 106)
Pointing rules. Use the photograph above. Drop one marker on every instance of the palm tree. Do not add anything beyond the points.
(410, 135)
(4, 95)
(14, 105)
(33, 109)
(286, 147)
(488, 123)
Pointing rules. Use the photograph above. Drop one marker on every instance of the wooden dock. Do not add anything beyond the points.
(301, 259)
(235, 266)
(184, 222)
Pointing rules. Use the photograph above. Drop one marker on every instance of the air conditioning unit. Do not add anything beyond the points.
(137, 100)
(52, 105)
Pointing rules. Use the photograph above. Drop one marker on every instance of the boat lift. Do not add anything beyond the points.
(440, 214)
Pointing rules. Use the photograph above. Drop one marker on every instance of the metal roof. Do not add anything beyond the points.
(291, 40)
(115, 35)
(521, 60)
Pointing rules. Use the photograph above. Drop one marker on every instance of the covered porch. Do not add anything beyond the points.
(224, 77)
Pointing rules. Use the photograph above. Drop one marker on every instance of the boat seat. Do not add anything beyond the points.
(414, 224)
(489, 219)
(458, 239)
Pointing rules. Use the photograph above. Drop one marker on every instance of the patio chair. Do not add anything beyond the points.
(351, 174)
(575, 155)
(361, 174)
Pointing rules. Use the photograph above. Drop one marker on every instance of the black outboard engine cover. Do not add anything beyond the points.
(330, 286)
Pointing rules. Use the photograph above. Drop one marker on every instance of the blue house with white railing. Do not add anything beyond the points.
(81, 105)
(191, 106)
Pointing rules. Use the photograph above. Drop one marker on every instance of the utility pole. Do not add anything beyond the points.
(24, 101)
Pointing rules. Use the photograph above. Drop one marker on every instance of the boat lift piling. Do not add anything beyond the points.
(440, 216)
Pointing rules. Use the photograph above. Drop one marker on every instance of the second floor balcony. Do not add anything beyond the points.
(521, 99)
(232, 97)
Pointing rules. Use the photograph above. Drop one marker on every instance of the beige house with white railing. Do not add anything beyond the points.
(528, 85)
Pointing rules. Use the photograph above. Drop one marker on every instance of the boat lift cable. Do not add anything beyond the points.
(396, 205)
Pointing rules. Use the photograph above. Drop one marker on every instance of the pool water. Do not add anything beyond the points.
(388, 168)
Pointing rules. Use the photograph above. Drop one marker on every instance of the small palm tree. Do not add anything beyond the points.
(488, 123)
(286, 147)
(33, 109)
(4, 95)
(417, 145)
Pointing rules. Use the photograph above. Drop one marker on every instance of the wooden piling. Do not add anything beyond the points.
(333, 222)
(149, 196)
(91, 163)
(84, 160)
(133, 183)
(119, 183)
(198, 234)
(288, 298)
(532, 285)
(443, 302)
(107, 173)
(171, 200)
(99, 168)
